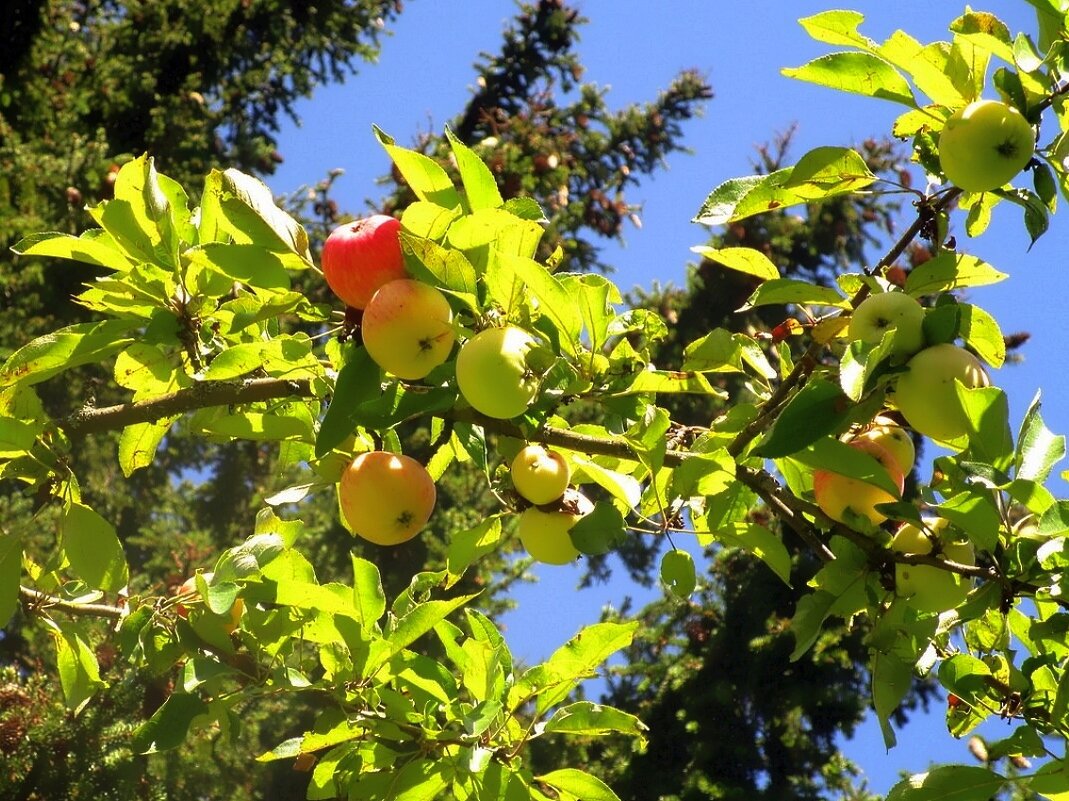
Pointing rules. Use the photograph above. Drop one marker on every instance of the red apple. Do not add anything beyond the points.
(361, 256)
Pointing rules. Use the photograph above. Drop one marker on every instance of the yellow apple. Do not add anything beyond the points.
(540, 475)
(877, 314)
(545, 534)
(386, 498)
(492, 372)
(926, 587)
(985, 144)
(836, 493)
(886, 432)
(407, 328)
(925, 392)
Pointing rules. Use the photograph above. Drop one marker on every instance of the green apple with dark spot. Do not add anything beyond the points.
(984, 145)
(886, 432)
(545, 534)
(925, 392)
(492, 372)
(407, 328)
(877, 314)
(540, 475)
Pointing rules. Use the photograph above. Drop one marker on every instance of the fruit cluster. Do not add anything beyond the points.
(408, 330)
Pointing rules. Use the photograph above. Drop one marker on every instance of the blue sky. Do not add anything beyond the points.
(634, 47)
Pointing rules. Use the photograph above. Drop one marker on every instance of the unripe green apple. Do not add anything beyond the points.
(984, 145)
(492, 372)
(836, 493)
(886, 432)
(540, 475)
(925, 392)
(926, 587)
(407, 328)
(386, 498)
(545, 534)
(878, 314)
(361, 256)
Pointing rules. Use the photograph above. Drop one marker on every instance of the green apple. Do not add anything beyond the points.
(984, 145)
(836, 493)
(386, 498)
(886, 311)
(926, 587)
(886, 432)
(925, 392)
(407, 328)
(492, 372)
(545, 534)
(540, 475)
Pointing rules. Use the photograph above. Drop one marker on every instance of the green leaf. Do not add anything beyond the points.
(235, 361)
(837, 28)
(250, 215)
(250, 264)
(783, 291)
(479, 184)
(359, 380)
(139, 442)
(16, 437)
(1051, 781)
(79, 674)
(576, 785)
(600, 531)
(422, 174)
(981, 332)
(1038, 449)
(554, 300)
(592, 720)
(94, 246)
(949, 783)
(73, 346)
(987, 412)
(928, 65)
(577, 659)
(368, 597)
(468, 546)
(93, 549)
(258, 427)
(438, 265)
(398, 402)
(744, 260)
(168, 727)
(891, 680)
(421, 619)
(669, 382)
(704, 474)
(760, 542)
(830, 454)
(427, 220)
(950, 270)
(1036, 213)
(818, 409)
(859, 73)
(822, 173)
(10, 574)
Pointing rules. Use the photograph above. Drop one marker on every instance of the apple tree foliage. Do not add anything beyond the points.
(197, 321)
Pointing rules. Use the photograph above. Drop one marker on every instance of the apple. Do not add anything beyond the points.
(189, 587)
(984, 145)
(925, 392)
(407, 328)
(836, 493)
(492, 372)
(540, 475)
(386, 498)
(545, 534)
(886, 311)
(886, 432)
(361, 256)
(926, 587)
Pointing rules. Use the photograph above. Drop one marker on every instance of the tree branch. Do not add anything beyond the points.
(39, 600)
(200, 396)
